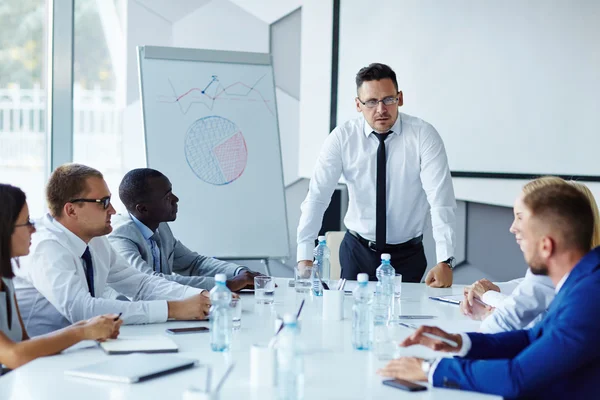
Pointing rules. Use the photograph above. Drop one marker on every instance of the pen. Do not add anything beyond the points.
(218, 387)
(430, 335)
(118, 316)
(272, 342)
(416, 317)
(480, 302)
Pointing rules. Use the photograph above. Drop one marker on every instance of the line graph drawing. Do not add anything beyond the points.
(215, 150)
(215, 91)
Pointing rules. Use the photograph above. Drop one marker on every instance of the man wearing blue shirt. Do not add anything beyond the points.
(559, 357)
(145, 240)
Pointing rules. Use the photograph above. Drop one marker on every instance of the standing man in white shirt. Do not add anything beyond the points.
(72, 265)
(396, 170)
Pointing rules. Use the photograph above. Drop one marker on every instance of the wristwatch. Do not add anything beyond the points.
(451, 262)
(426, 365)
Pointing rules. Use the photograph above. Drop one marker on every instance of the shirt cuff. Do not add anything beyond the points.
(305, 251)
(464, 350)
(158, 311)
(432, 370)
(443, 251)
(191, 291)
(466, 345)
(240, 269)
(493, 298)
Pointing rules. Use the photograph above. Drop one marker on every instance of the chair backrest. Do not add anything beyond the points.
(334, 240)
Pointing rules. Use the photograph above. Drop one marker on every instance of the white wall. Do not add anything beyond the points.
(269, 10)
(508, 84)
(499, 192)
(315, 81)
(221, 25)
(288, 114)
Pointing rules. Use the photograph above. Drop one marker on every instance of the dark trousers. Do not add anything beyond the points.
(355, 258)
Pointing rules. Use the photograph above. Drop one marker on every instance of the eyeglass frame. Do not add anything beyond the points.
(29, 224)
(396, 101)
(105, 201)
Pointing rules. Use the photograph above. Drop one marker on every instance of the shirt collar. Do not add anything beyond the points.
(396, 128)
(560, 283)
(146, 232)
(78, 246)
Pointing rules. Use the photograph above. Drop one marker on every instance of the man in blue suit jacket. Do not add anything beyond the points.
(560, 356)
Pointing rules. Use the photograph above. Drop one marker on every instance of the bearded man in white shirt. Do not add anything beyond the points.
(72, 267)
(396, 170)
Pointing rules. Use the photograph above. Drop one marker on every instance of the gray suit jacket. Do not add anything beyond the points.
(178, 263)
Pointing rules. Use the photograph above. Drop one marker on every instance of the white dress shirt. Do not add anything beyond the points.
(521, 309)
(52, 290)
(418, 180)
(493, 298)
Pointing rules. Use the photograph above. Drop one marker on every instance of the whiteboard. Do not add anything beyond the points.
(210, 125)
(512, 86)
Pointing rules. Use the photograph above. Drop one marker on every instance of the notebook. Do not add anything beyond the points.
(139, 344)
(133, 368)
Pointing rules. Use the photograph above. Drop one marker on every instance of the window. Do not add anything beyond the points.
(99, 89)
(23, 134)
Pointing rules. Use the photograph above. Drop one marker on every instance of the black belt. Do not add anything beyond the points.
(370, 244)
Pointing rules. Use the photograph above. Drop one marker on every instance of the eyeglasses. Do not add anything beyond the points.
(29, 223)
(105, 201)
(388, 101)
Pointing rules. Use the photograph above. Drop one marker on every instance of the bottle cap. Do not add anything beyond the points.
(362, 278)
(221, 278)
(321, 239)
(386, 256)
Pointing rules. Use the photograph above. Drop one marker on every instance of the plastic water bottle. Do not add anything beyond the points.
(290, 364)
(322, 255)
(362, 319)
(317, 288)
(385, 275)
(220, 315)
(321, 265)
(381, 306)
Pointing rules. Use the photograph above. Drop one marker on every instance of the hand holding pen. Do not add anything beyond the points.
(100, 328)
(434, 338)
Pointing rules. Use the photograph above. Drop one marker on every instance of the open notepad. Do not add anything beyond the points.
(139, 344)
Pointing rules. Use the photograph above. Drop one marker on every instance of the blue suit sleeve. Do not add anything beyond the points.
(564, 344)
(498, 345)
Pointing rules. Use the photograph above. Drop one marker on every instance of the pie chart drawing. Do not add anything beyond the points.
(215, 150)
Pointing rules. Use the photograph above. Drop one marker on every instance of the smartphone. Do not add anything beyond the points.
(175, 331)
(404, 385)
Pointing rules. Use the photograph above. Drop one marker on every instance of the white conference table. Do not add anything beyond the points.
(333, 369)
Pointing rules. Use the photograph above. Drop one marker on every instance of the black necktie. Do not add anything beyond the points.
(380, 213)
(89, 270)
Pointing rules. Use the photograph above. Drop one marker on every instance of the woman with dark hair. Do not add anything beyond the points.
(16, 348)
